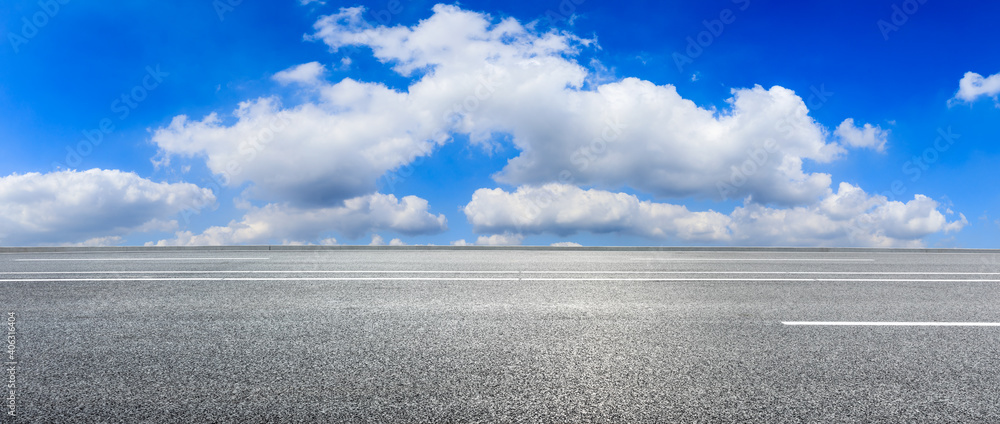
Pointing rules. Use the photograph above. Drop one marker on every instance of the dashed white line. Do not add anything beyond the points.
(892, 323)
(139, 259)
(802, 280)
(498, 272)
(758, 259)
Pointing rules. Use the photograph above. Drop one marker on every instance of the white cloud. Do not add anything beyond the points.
(478, 76)
(849, 217)
(868, 136)
(566, 244)
(345, 63)
(884, 224)
(90, 208)
(309, 155)
(501, 77)
(506, 239)
(377, 240)
(565, 210)
(305, 74)
(972, 86)
(481, 78)
(97, 242)
(284, 223)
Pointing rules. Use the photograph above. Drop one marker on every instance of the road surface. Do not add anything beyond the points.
(557, 335)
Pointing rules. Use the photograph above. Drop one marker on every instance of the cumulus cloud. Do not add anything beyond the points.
(565, 210)
(502, 77)
(377, 240)
(308, 155)
(476, 76)
(506, 239)
(96, 242)
(884, 224)
(566, 244)
(868, 136)
(305, 74)
(849, 217)
(285, 223)
(972, 86)
(90, 208)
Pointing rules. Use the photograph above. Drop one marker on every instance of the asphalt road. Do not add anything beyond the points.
(503, 336)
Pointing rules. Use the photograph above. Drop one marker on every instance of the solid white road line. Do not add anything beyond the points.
(893, 323)
(139, 259)
(498, 272)
(757, 259)
(802, 280)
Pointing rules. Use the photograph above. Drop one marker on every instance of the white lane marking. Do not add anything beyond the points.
(806, 280)
(90, 251)
(756, 259)
(893, 323)
(139, 259)
(501, 272)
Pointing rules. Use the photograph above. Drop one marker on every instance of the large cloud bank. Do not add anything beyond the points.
(94, 207)
(473, 75)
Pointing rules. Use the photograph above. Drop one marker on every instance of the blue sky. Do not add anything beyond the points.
(743, 122)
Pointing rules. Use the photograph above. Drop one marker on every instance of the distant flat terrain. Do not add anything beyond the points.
(504, 335)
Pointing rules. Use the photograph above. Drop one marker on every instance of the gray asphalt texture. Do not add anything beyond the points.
(501, 336)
